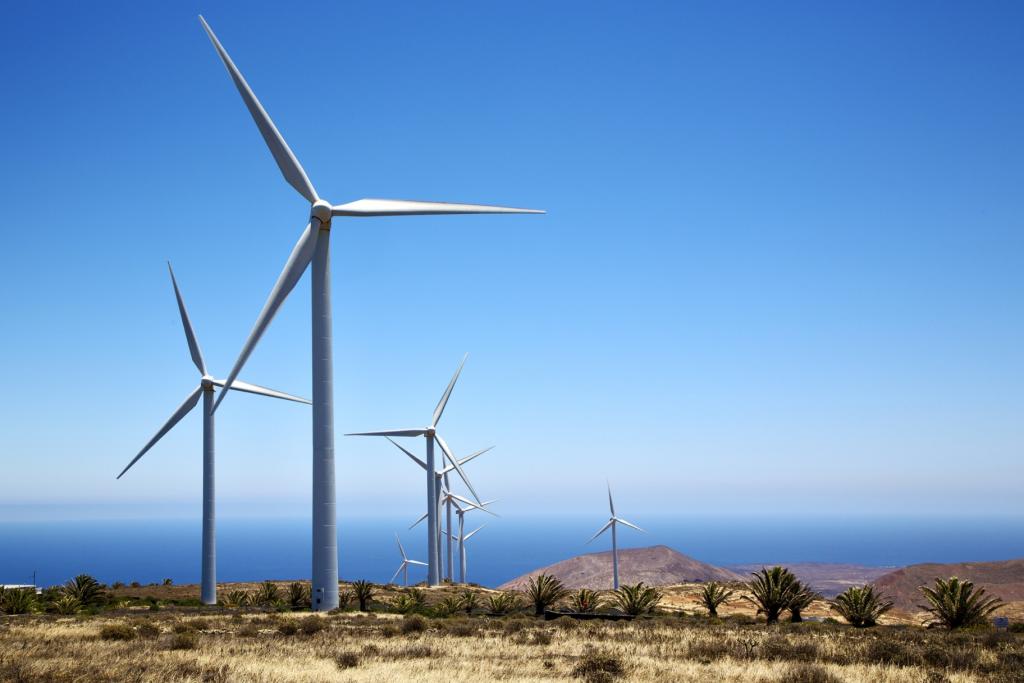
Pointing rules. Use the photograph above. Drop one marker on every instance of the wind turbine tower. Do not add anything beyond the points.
(612, 522)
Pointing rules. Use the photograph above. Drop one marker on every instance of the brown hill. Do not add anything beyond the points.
(1004, 579)
(657, 565)
(829, 579)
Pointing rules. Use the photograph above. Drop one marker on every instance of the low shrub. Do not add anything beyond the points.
(117, 632)
(288, 628)
(414, 652)
(595, 667)
(311, 625)
(809, 673)
(891, 651)
(148, 630)
(414, 624)
(346, 660)
(183, 627)
(250, 630)
(188, 640)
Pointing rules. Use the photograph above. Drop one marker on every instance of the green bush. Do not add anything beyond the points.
(363, 592)
(503, 603)
(772, 591)
(18, 601)
(586, 601)
(86, 590)
(636, 599)
(299, 595)
(714, 595)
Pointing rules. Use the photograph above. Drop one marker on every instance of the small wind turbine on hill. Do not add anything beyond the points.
(313, 247)
(433, 497)
(404, 567)
(611, 524)
(462, 550)
(205, 389)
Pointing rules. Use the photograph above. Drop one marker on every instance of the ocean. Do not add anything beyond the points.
(256, 549)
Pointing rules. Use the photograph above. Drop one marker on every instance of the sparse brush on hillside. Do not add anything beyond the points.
(469, 601)
(544, 591)
(447, 607)
(363, 591)
(636, 599)
(861, 605)
(18, 601)
(802, 599)
(713, 596)
(236, 599)
(586, 601)
(299, 595)
(503, 603)
(86, 590)
(955, 603)
(772, 591)
(410, 602)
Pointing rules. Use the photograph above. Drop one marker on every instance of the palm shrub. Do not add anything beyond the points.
(66, 604)
(772, 591)
(447, 607)
(802, 599)
(544, 591)
(18, 601)
(267, 595)
(955, 603)
(861, 605)
(713, 596)
(408, 603)
(363, 591)
(237, 599)
(637, 598)
(86, 590)
(503, 603)
(586, 601)
(470, 601)
(299, 595)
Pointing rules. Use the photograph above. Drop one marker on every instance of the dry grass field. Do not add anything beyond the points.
(218, 645)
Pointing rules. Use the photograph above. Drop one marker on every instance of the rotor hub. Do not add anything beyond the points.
(321, 211)
(206, 382)
(431, 431)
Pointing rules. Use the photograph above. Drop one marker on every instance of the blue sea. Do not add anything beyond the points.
(256, 549)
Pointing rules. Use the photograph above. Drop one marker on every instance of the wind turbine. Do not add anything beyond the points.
(461, 505)
(313, 247)
(462, 550)
(205, 389)
(442, 485)
(611, 523)
(461, 512)
(430, 432)
(404, 567)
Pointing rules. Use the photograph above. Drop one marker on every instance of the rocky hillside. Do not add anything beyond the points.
(658, 566)
(1004, 579)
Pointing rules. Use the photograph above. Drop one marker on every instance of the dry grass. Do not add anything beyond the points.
(220, 646)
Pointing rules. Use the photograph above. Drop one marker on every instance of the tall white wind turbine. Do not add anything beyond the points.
(443, 487)
(462, 550)
(205, 389)
(461, 508)
(313, 247)
(431, 435)
(612, 522)
(404, 567)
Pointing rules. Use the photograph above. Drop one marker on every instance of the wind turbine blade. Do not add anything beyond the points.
(407, 452)
(300, 257)
(397, 572)
(391, 432)
(239, 385)
(463, 461)
(611, 505)
(406, 207)
(603, 529)
(400, 548)
(422, 564)
(418, 521)
(470, 504)
(470, 534)
(190, 334)
(286, 161)
(183, 410)
(629, 524)
(447, 393)
(458, 467)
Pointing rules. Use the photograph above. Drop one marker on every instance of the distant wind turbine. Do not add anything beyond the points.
(611, 523)
(313, 247)
(461, 508)
(205, 389)
(404, 567)
(443, 486)
(431, 435)
(462, 551)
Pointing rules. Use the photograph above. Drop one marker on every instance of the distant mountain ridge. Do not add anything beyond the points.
(1003, 579)
(656, 565)
(828, 578)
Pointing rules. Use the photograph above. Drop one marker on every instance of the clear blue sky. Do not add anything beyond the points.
(782, 267)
